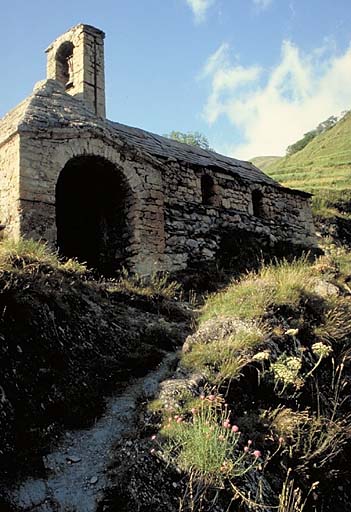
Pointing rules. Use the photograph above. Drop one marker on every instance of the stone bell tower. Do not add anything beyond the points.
(76, 59)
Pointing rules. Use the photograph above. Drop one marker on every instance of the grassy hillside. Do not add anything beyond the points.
(265, 161)
(323, 167)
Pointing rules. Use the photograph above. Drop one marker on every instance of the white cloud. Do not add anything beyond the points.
(262, 4)
(215, 61)
(199, 8)
(274, 108)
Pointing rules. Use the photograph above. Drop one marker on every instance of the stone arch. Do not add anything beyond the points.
(64, 64)
(93, 201)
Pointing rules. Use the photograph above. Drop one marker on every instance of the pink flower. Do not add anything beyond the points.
(179, 419)
(257, 453)
(211, 397)
(193, 410)
(202, 397)
(235, 428)
(153, 437)
(226, 424)
(281, 440)
(249, 443)
(246, 449)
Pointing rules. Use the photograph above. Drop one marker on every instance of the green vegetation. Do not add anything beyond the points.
(322, 167)
(222, 359)
(23, 254)
(262, 162)
(207, 445)
(192, 138)
(149, 286)
(284, 283)
(272, 349)
(309, 136)
(30, 254)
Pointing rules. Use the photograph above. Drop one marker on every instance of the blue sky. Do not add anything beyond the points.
(252, 75)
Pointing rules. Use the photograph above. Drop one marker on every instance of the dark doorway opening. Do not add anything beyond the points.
(91, 206)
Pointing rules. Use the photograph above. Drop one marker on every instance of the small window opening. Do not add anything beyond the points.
(208, 191)
(257, 203)
(64, 64)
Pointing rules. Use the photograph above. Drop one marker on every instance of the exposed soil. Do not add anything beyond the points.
(68, 341)
(75, 475)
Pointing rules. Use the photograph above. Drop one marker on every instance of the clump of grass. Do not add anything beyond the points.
(274, 285)
(336, 326)
(207, 445)
(310, 437)
(223, 359)
(27, 253)
(336, 262)
(323, 206)
(150, 286)
(18, 254)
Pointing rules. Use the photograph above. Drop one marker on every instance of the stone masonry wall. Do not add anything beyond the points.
(88, 76)
(9, 186)
(169, 226)
(43, 158)
(194, 231)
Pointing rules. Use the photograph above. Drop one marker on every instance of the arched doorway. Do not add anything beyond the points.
(92, 200)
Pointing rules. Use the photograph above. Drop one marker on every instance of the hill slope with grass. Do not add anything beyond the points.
(262, 162)
(323, 168)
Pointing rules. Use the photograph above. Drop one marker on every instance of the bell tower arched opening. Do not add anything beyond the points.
(92, 202)
(64, 64)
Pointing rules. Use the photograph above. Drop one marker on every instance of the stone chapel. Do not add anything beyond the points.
(113, 195)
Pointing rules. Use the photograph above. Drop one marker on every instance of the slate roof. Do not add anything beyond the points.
(50, 107)
(168, 148)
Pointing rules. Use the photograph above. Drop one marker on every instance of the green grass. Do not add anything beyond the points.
(273, 285)
(27, 254)
(323, 168)
(205, 445)
(222, 359)
(264, 161)
(149, 286)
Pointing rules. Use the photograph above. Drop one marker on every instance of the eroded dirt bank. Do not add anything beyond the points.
(66, 342)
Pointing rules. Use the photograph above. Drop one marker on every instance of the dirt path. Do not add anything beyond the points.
(76, 472)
